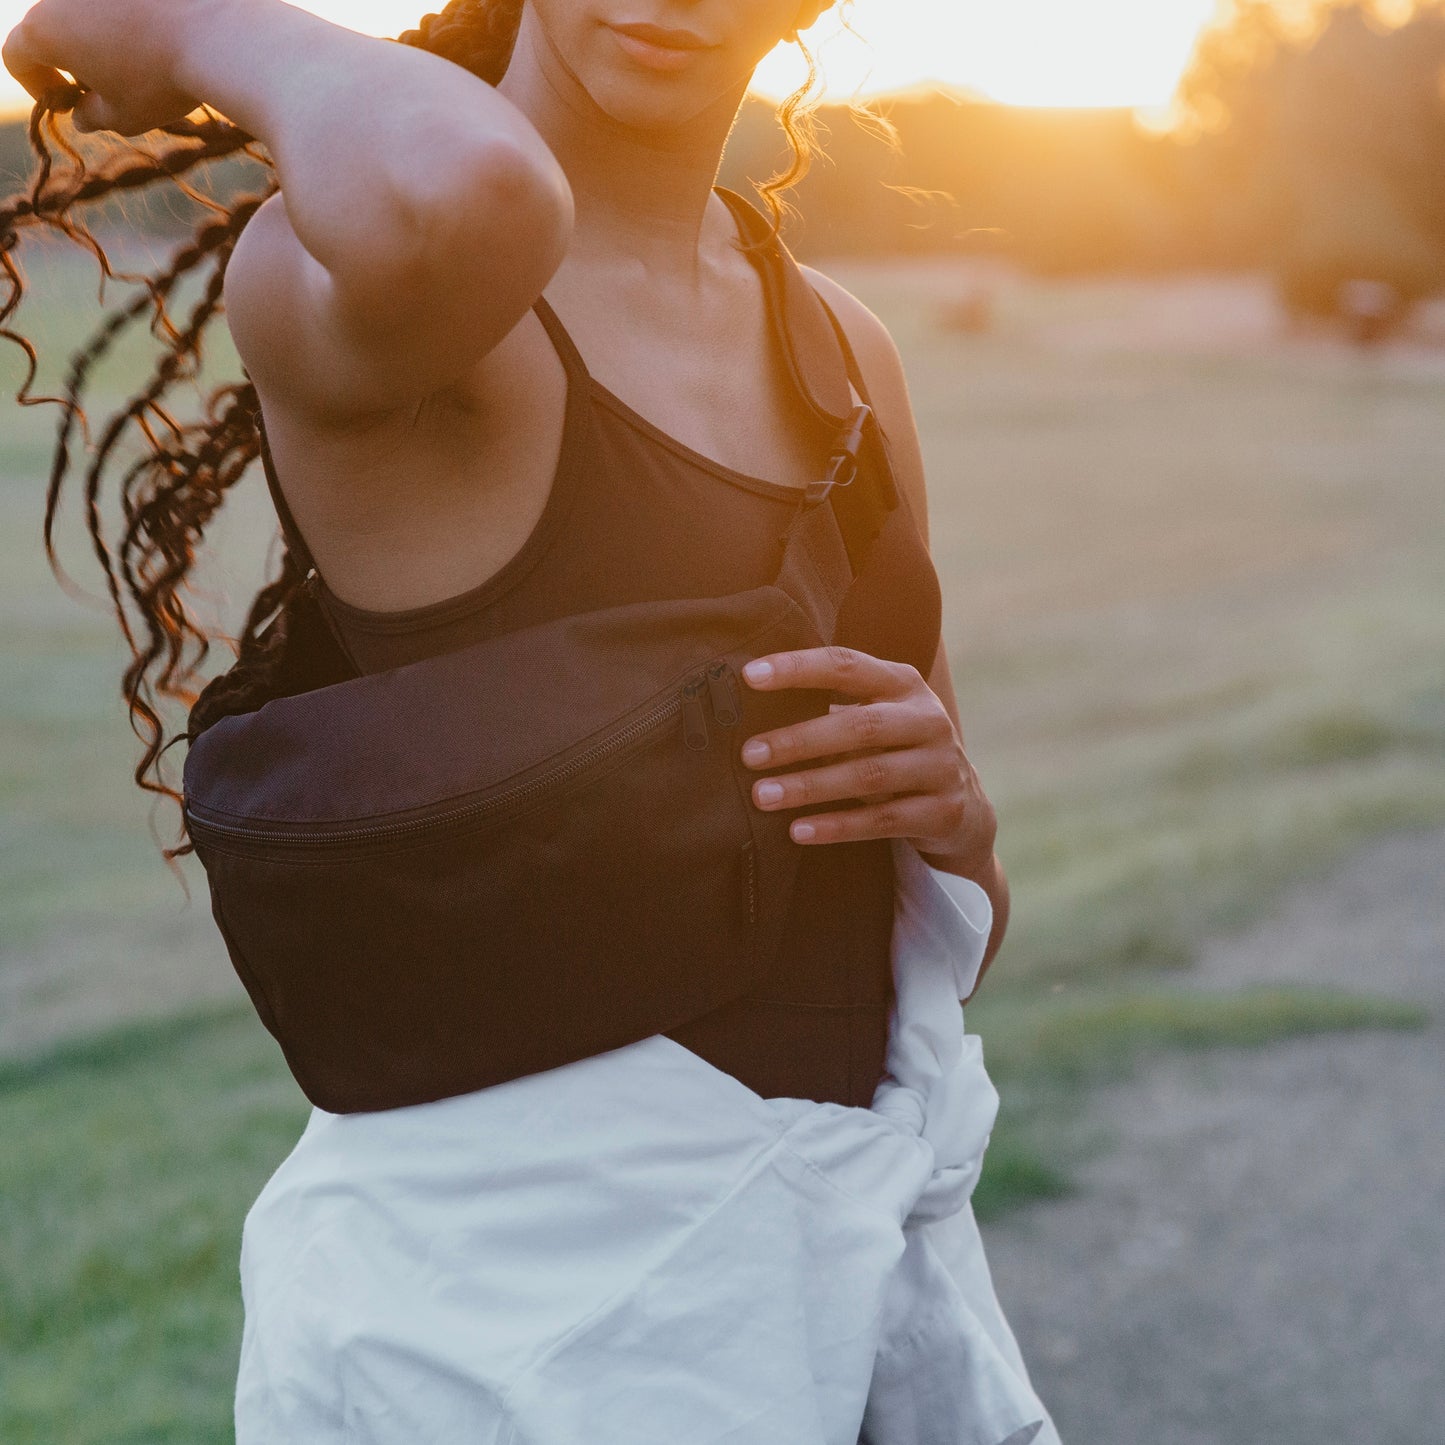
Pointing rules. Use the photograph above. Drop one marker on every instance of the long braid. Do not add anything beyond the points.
(170, 495)
(478, 35)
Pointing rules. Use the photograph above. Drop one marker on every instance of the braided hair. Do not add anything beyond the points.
(168, 498)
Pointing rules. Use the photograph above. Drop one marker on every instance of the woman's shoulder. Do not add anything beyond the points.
(863, 326)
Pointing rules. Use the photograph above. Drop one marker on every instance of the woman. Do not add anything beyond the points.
(398, 302)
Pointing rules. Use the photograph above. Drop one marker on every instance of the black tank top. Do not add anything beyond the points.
(635, 515)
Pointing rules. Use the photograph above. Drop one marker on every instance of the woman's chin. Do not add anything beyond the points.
(663, 103)
(641, 96)
(650, 107)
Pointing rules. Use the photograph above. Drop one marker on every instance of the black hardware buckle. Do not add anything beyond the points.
(843, 464)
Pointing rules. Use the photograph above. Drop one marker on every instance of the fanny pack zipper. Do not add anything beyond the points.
(717, 680)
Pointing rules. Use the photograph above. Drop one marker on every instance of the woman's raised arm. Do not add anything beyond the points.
(420, 213)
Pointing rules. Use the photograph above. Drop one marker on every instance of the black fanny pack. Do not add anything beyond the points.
(539, 847)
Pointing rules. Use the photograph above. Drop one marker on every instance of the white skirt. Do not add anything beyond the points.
(637, 1249)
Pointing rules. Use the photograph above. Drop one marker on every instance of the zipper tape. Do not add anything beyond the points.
(687, 700)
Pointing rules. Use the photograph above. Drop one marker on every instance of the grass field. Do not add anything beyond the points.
(1194, 575)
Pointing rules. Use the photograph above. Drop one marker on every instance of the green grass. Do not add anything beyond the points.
(1195, 606)
(129, 1162)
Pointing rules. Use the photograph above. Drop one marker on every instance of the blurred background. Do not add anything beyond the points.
(1168, 278)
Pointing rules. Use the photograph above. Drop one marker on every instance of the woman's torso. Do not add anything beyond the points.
(435, 498)
(633, 514)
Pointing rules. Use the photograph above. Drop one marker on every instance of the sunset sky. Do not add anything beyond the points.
(1022, 52)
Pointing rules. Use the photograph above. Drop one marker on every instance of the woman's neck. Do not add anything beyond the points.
(642, 196)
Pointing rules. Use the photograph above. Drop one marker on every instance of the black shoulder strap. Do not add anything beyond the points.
(822, 364)
(809, 342)
(863, 510)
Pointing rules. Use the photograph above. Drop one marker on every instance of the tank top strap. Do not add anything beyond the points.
(290, 532)
(561, 339)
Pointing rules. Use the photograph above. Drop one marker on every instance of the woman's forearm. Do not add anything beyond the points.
(371, 139)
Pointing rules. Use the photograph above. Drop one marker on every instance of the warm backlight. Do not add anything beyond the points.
(1021, 52)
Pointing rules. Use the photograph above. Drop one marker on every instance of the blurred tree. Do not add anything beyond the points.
(1320, 124)
(1056, 190)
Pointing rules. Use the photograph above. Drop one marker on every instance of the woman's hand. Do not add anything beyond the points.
(896, 751)
(122, 54)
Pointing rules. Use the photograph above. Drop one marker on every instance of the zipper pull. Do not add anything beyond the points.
(694, 720)
(722, 689)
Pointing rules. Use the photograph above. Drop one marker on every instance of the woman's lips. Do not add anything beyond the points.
(655, 55)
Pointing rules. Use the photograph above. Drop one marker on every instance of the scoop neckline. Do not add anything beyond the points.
(581, 388)
(634, 418)
(766, 486)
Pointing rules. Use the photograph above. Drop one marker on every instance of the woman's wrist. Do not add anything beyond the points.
(970, 853)
(981, 867)
(989, 876)
(285, 74)
(218, 47)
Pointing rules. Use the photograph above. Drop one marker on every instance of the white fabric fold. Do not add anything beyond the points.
(637, 1247)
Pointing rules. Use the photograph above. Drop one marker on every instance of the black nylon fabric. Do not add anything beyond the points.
(407, 909)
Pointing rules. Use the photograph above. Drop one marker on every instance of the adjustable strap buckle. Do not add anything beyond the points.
(843, 463)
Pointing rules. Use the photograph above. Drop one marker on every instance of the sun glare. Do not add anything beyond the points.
(1020, 52)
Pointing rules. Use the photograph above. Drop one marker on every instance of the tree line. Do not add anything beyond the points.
(1310, 143)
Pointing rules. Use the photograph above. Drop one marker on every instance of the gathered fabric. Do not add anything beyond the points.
(636, 1247)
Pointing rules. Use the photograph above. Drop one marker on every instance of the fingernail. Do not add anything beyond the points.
(756, 753)
(758, 670)
(769, 792)
(802, 832)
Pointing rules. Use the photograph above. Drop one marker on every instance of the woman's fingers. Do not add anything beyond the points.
(875, 775)
(837, 669)
(895, 754)
(895, 713)
(850, 728)
(845, 729)
(93, 112)
(917, 816)
(116, 85)
(29, 59)
(42, 81)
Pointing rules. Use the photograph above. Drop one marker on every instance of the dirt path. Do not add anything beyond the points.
(84, 978)
(1260, 1257)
